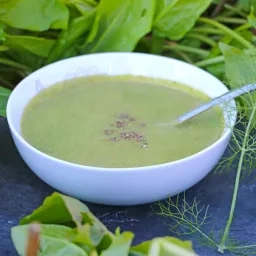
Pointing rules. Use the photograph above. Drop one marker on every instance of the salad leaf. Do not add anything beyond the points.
(120, 245)
(53, 239)
(57, 209)
(145, 247)
(239, 68)
(83, 6)
(4, 96)
(61, 209)
(119, 25)
(20, 233)
(90, 237)
(37, 45)
(67, 38)
(246, 4)
(239, 65)
(33, 15)
(176, 17)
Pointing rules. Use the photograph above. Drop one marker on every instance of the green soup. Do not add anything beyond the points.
(111, 121)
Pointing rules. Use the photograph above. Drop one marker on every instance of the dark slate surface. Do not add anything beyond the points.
(21, 192)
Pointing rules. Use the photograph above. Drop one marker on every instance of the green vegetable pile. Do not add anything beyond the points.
(35, 33)
(69, 228)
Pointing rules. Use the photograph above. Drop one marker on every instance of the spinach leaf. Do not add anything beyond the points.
(246, 4)
(37, 45)
(4, 95)
(166, 246)
(240, 70)
(57, 209)
(119, 25)
(68, 38)
(239, 65)
(61, 209)
(120, 245)
(33, 15)
(83, 6)
(49, 235)
(176, 17)
(20, 233)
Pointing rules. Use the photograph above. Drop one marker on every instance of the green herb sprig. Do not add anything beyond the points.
(191, 218)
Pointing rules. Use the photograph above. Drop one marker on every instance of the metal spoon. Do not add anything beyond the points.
(230, 95)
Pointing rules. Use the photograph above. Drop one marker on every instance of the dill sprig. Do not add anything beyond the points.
(192, 218)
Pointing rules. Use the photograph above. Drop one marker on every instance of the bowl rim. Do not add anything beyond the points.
(225, 134)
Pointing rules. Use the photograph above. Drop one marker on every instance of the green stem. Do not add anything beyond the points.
(184, 48)
(14, 64)
(6, 83)
(222, 246)
(231, 20)
(207, 30)
(156, 45)
(202, 38)
(184, 56)
(228, 31)
(236, 10)
(208, 62)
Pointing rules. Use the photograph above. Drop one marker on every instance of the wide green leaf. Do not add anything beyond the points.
(67, 38)
(119, 25)
(120, 245)
(239, 65)
(176, 17)
(4, 96)
(49, 234)
(246, 4)
(83, 6)
(240, 70)
(36, 45)
(165, 246)
(34, 15)
(57, 209)
(61, 209)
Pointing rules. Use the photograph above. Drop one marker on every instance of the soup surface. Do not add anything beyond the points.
(111, 121)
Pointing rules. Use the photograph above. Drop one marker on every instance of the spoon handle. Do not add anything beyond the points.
(230, 95)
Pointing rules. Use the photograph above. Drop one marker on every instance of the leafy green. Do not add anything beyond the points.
(89, 237)
(83, 6)
(58, 209)
(239, 65)
(120, 245)
(53, 239)
(176, 17)
(34, 15)
(167, 246)
(239, 70)
(119, 25)
(246, 4)
(144, 247)
(4, 95)
(36, 45)
(67, 38)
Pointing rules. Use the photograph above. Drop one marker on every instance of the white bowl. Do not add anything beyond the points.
(118, 186)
